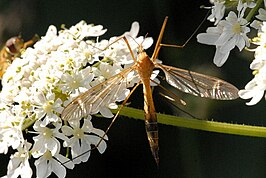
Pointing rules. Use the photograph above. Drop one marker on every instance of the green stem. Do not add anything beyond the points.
(253, 10)
(211, 126)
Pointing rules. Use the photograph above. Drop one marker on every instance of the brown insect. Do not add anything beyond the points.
(13, 49)
(184, 80)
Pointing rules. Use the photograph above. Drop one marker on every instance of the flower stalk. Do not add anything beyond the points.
(254, 10)
(197, 124)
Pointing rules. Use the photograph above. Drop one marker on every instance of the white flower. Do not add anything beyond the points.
(19, 163)
(217, 12)
(82, 30)
(47, 107)
(262, 14)
(82, 139)
(105, 71)
(255, 89)
(13, 136)
(77, 82)
(10, 130)
(49, 163)
(228, 34)
(258, 23)
(119, 51)
(47, 138)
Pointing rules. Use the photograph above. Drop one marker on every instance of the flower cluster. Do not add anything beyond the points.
(42, 81)
(256, 87)
(228, 33)
(233, 32)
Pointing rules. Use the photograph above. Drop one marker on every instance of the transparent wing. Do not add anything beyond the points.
(101, 95)
(199, 84)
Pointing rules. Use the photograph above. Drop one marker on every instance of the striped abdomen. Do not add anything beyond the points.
(151, 120)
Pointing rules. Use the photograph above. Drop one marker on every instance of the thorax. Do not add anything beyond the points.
(144, 66)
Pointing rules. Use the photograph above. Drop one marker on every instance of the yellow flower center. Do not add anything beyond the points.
(47, 133)
(74, 84)
(78, 132)
(237, 28)
(48, 155)
(47, 107)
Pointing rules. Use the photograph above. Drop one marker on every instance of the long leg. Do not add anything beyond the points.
(159, 44)
(173, 103)
(127, 43)
(110, 125)
(174, 100)
(117, 113)
(183, 45)
(177, 99)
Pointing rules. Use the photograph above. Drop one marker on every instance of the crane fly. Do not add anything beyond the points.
(189, 82)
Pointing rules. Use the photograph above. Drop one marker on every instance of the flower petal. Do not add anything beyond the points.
(220, 58)
(209, 39)
(58, 169)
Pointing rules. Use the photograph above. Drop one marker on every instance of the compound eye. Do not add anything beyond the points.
(140, 50)
(14, 44)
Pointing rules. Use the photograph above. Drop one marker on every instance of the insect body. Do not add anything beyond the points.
(145, 68)
(12, 49)
(184, 80)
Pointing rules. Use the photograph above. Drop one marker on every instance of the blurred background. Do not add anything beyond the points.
(183, 152)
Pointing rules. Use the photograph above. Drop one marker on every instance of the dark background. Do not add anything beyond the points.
(183, 152)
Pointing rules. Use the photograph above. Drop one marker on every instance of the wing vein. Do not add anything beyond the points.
(89, 102)
(198, 84)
